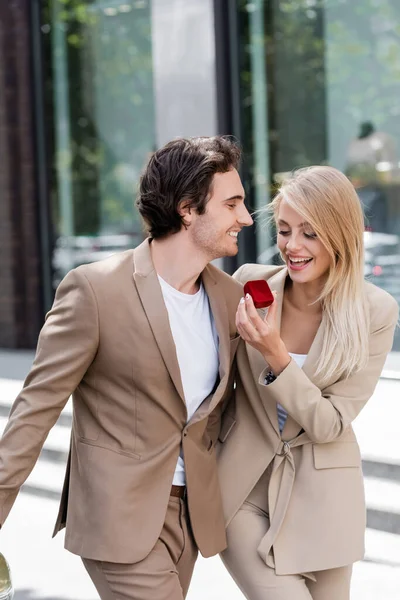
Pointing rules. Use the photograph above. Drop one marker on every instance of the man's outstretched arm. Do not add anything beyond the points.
(66, 347)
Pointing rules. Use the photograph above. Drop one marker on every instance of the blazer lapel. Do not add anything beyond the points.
(257, 362)
(219, 312)
(291, 428)
(314, 353)
(150, 293)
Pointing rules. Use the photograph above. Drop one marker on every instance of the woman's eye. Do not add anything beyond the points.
(311, 236)
(283, 232)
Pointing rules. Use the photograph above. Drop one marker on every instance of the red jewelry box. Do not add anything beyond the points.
(260, 291)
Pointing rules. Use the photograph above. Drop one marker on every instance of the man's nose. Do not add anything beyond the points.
(245, 218)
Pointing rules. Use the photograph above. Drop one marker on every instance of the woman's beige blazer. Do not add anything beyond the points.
(316, 494)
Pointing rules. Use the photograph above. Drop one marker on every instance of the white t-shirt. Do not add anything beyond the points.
(300, 359)
(196, 342)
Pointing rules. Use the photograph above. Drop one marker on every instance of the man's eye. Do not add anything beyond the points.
(283, 232)
(232, 205)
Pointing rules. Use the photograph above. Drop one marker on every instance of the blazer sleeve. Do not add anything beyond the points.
(325, 415)
(67, 345)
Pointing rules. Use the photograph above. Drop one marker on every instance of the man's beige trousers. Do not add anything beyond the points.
(164, 574)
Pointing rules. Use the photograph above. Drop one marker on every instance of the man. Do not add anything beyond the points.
(144, 341)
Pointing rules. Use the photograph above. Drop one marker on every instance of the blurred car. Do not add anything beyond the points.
(382, 261)
(72, 251)
(382, 266)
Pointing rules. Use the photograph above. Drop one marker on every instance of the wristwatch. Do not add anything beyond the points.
(269, 378)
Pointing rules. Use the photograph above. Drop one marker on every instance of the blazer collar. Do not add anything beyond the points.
(277, 283)
(150, 293)
(218, 307)
(149, 290)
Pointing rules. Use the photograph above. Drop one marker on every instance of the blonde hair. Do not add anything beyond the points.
(327, 200)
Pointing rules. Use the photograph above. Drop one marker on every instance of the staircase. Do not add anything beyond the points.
(377, 429)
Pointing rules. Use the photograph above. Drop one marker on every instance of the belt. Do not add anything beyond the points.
(178, 491)
(280, 491)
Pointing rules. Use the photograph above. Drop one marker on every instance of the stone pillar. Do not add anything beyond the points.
(20, 280)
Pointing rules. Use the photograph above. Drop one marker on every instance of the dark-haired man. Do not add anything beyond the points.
(144, 341)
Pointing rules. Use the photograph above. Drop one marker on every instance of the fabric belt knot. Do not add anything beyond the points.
(285, 447)
(279, 492)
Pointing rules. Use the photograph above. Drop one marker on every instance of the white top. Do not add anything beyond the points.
(196, 342)
(299, 359)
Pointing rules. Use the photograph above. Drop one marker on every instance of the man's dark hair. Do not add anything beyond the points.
(182, 170)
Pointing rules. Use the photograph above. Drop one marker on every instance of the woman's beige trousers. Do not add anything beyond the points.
(259, 581)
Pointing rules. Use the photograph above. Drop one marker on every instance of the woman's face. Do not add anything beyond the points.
(306, 257)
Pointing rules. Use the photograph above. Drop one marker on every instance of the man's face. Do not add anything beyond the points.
(215, 232)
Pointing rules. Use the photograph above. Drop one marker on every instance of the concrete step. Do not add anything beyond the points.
(382, 497)
(380, 452)
(9, 390)
(46, 479)
(381, 470)
(382, 494)
(382, 547)
(65, 418)
(377, 426)
(383, 504)
(56, 446)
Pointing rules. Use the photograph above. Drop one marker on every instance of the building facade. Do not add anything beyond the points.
(89, 88)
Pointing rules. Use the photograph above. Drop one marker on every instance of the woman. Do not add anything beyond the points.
(289, 461)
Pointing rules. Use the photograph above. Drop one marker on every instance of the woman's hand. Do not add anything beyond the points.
(262, 334)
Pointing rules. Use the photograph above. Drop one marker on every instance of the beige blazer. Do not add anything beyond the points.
(316, 495)
(107, 341)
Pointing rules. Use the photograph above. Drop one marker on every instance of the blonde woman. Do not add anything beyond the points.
(289, 461)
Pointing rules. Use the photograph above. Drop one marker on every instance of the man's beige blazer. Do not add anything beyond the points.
(107, 341)
(316, 495)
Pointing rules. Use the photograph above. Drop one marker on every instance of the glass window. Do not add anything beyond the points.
(320, 84)
(100, 95)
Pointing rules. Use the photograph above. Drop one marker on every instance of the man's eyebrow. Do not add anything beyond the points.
(237, 197)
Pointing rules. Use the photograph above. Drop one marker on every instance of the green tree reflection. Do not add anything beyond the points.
(111, 116)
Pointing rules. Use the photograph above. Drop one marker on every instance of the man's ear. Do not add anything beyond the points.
(186, 212)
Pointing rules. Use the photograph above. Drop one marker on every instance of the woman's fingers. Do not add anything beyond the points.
(262, 334)
(244, 324)
(253, 314)
(249, 324)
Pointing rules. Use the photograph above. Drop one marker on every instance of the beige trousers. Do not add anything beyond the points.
(164, 574)
(259, 581)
